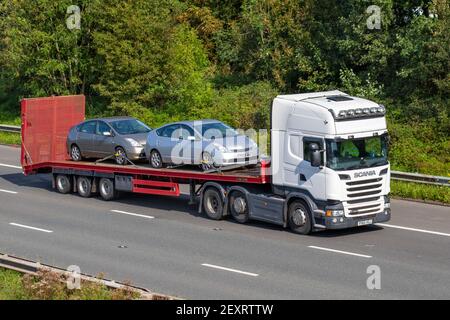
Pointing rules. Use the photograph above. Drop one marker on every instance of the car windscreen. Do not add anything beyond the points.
(129, 126)
(216, 130)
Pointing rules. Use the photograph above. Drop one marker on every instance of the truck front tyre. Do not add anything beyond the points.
(299, 218)
(106, 189)
(239, 206)
(63, 183)
(213, 204)
(84, 187)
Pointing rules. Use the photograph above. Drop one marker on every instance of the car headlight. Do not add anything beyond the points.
(221, 148)
(334, 213)
(133, 142)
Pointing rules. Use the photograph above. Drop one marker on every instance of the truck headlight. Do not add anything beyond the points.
(334, 213)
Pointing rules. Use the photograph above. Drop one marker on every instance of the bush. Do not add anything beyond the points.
(420, 191)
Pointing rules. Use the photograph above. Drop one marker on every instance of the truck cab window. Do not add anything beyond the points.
(306, 148)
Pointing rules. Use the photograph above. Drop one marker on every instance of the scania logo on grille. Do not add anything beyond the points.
(365, 174)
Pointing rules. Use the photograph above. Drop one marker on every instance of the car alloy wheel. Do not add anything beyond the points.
(120, 156)
(207, 162)
(155, 159)
(75, 153)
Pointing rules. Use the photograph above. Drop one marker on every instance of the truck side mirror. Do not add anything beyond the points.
(316, 160)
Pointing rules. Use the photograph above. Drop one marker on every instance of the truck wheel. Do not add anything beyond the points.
(299, 218)
(106, 189)
(156, 159)
(75, 153)
(213, 204)
(63, 183)
(84, 187)
(239, 206)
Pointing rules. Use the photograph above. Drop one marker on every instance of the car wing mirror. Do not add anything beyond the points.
(191, 138)
(107, 134)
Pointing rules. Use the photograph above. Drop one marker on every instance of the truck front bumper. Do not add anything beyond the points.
(350, 222)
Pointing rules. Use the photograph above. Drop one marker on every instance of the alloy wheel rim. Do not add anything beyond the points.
(156, 161)
(206, 161)
(75, 153)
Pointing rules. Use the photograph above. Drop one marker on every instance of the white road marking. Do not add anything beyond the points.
(414, 229)
(229, 269)
(8, 191)
(133, 214)
(9, 166)
(339, 251)
(28, 227)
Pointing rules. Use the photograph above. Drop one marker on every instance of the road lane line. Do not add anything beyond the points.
(8, 191)
(9, 166)
(339, 251)
(133, 214)
(229, 269)
(414, 229)
(28, 227)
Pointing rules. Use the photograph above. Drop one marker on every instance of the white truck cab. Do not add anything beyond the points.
(329, 151)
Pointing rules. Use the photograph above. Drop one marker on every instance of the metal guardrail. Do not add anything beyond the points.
(8, 128)
(420, 178)
(395, 175)
(32, 268)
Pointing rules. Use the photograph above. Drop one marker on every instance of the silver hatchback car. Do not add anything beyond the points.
(208, 143)
(121, 137)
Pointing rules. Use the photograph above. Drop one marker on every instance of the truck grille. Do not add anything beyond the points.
(364, 196)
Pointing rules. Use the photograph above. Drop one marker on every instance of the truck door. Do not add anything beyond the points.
(298, 172)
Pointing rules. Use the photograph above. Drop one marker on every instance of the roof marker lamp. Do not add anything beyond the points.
(360, 113)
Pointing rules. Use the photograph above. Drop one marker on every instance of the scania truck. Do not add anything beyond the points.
(328, 168)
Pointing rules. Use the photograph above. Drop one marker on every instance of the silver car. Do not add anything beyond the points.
(208, 143)
(121, 137)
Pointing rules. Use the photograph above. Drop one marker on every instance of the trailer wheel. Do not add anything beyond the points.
(239, 206)
(299, 218)
(213, 204)
(106, 189)
(63, 183)
(84, 187)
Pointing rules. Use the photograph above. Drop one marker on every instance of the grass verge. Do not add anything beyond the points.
(420, 191)
(51, 286)
(9, 138)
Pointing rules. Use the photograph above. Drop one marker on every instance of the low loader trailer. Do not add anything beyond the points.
(328, 170)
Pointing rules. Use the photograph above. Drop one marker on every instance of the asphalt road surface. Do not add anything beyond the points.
(163, 244)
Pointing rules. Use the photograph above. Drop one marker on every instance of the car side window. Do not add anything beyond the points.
(168, 131)
(186, 131)
(102, 127)
(306, 151)
(89, 127)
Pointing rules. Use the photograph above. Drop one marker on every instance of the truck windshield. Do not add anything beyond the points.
(357, 153)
